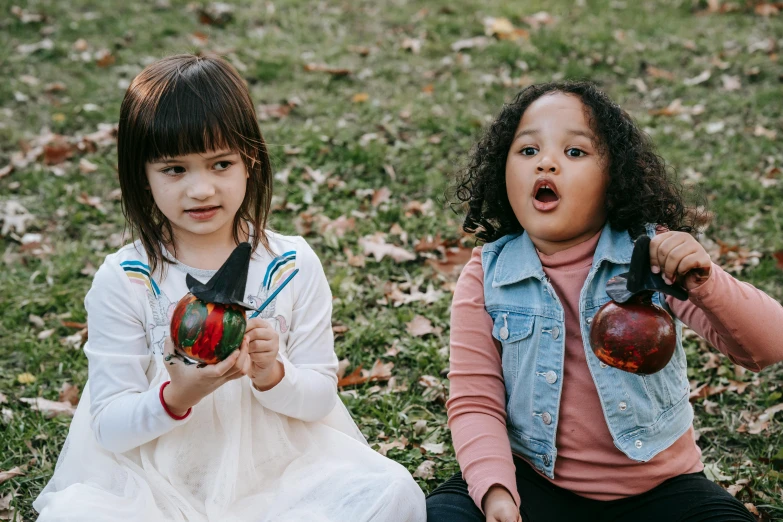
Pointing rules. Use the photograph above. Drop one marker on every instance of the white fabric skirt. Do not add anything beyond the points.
(233, 461)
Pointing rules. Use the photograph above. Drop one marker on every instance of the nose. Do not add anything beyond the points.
(201, 186)
(547, 165)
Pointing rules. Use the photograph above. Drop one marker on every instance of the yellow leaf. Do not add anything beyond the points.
(360, 97)
(25, 378)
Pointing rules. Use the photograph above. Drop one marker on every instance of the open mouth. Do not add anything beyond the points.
(203, 212)
(545, 195)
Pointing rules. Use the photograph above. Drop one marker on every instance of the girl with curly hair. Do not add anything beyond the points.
(544, 431)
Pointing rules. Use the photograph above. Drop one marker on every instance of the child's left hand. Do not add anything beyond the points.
(264, 343)
(681, 258)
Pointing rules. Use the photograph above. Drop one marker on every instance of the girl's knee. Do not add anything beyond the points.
(719, 509)
(452, 507)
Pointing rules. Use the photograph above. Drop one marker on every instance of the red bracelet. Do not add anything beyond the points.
(163, 402)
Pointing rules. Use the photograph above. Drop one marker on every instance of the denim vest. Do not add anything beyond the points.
(645, 413)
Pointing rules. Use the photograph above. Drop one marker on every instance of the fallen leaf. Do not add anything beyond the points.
(535, 21)
(455, 259)
(57, 151)
(425, 471)
(412, 44)
(376, 246)
(730, 83)
(479, 42)
(216, 13)
(714, 473)
(26, 378)
(750, 507)
(360, 97)
(779, 259)
(384, 447)
(431, 447)
(3, 398)
(420, 326)
(50, 408)
(503, 29)
(336, 71)
(766, 10)
(104, 58)
(69, 393)
(6, 170)
(379, 372)
(380, 195)
(701, 78)
(11, 473)
(676, 108)
(767, 133)
(655, 72)
(276, 111)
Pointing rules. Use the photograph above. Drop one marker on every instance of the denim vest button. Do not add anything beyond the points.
(589, 320)
(555, 332)
(504, 333)
(551, 377)
(623, 406)
(638, 444)
(547, 418)
(547, 460)
(603, 365)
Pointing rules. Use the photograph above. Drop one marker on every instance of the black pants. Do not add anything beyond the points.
(686, 498)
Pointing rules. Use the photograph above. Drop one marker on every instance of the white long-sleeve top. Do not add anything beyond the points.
(128, 315)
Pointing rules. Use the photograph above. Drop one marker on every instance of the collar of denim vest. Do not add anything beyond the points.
(519, 260)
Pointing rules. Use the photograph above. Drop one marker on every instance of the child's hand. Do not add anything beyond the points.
(264, 343)
(191, 383)
(681, 258)
(499, 506)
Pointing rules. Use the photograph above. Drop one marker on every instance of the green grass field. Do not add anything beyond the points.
(368, 109)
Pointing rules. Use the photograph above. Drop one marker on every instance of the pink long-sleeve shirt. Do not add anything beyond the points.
(736, 318)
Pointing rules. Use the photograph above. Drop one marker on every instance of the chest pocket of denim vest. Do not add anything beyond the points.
(513, 330)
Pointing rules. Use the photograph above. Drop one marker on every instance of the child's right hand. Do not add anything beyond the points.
(189, 383)
(499, 506)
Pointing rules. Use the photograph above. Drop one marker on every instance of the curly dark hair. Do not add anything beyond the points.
(642, 189)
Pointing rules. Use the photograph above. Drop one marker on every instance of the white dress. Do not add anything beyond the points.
(292, 453)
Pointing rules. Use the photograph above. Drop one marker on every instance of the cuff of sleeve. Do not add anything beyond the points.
(703, 292)
(283, 390)
(166, 408)
(480, 491)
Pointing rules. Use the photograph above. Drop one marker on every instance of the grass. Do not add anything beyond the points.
(423, 110)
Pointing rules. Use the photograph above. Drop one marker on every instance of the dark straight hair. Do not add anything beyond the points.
(180, 105)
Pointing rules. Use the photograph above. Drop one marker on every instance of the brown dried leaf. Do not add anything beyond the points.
(384, 447)
(766, 10)
(539, 19)
(425, 471)
(456, 259)
(50, 408)
(503, 29)
(655, 72)
(376, 246)
(11, 473)
(69, 393)
(276, 111)
(360, 97)
(779, 259)
(336, 71)
(380, 195)
(57, 151)
(420, 326)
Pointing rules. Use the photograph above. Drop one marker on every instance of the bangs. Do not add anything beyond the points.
(194, 114)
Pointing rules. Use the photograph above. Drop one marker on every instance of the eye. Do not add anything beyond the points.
(173, 171)
(573, 152)
(222, 165)
(528, 151)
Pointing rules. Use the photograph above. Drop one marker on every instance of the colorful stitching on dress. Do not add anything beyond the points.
(139, 274)
(279, 269)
